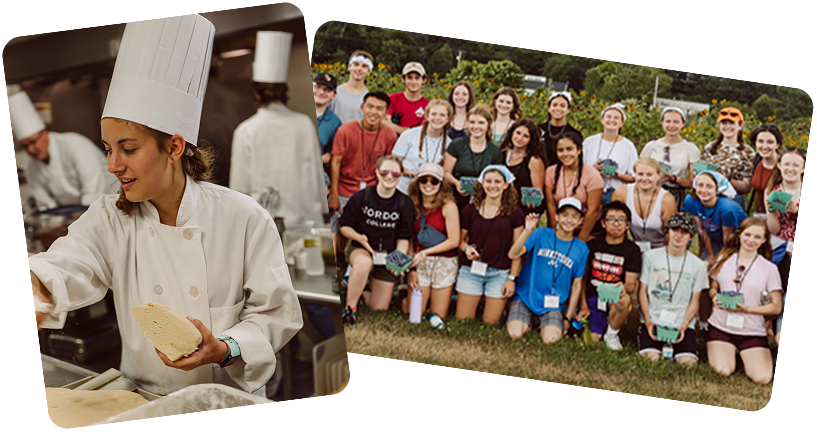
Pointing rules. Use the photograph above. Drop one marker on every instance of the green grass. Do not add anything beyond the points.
(475, 345)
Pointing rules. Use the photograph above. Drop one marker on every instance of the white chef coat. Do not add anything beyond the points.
(278, 147)
(223, 263)
(76, 172)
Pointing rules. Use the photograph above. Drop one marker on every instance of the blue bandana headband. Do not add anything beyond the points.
(509, 177)
(720, 180)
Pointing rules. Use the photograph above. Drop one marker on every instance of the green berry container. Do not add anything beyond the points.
(730, 299)
(666, 334)
(467, 184)
(532, 196)
(398, 262)
(609, 293)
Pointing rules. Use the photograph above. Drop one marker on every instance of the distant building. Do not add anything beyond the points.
(533, 82)
(686, 106)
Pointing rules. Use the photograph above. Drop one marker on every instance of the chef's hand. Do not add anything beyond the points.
(210, 351)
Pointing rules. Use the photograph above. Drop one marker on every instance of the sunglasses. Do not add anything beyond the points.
(424, 180)
(739, 274)
(666, 154)
(395, 174)
(733, 114)
(800, 151)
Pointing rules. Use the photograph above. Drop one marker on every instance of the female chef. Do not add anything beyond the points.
(207, 252)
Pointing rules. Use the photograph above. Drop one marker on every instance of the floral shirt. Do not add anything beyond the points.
(734, 161)
(787, 219)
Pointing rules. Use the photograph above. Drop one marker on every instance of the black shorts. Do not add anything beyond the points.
(740, 342)
(379, 272)
(688, 346)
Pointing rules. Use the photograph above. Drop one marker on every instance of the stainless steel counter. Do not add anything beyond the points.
(317, 289)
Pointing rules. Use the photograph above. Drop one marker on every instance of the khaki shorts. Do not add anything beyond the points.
(438, 271)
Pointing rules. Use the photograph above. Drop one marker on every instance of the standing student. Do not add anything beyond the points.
(743, 266)
(436, 264)
(407, 108)
(505, 110)
(676, 152)
(461, 98)
(613, 259)
(424, 144)
(767, 139)
(524, 157)
(671, 282)
(324, 90)
(733, 157)
(467, 156)
(64, 168)
(550, 284)
(556, 123)
(357, 147)
(611, 145)
(277, 144)
(350, 94)
(378, 220)
(715, 215)
(489, 226)
(650, 205)
(571, 177)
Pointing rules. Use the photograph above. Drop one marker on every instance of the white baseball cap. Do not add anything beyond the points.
(570, 202)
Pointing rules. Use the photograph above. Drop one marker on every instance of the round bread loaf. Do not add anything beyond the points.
(171, 333)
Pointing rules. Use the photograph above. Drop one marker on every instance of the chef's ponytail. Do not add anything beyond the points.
(196, 162)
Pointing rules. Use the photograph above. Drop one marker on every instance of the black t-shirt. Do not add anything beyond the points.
(609, 263)
(549, 134)
(379, 219)
(493, 237)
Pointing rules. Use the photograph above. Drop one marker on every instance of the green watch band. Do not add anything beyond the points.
(233, 351)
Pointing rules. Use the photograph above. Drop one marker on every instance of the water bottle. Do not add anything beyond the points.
(667, 352)
(312, 247)
(586, 336)
(765, 298)
(436, 321)
(415, 312)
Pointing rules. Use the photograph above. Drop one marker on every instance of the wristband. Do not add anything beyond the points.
(233, 351)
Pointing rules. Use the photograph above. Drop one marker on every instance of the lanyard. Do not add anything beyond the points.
(485, 233)
(738, 285)
(669, 274)
(474, 157)
(442, 140)
(364, 161)
(613, 146)
(640, 210)
(556, 263)
(564, 182)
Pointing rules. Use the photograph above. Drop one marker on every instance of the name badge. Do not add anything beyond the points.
(479, 268)
(602, 306)
(362, 185)
(734, 321)
(667, 317)
(379, 258)
(551, 302)
(645, 246)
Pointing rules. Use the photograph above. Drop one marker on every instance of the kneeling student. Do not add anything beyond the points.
(613, 260)
(551, 276)
(671, 283)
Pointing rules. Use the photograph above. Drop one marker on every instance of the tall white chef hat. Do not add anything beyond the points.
(271, 57)
(24, 118)
(161, 74)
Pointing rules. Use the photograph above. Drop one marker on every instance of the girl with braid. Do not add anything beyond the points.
(571, 177)
(425, 143)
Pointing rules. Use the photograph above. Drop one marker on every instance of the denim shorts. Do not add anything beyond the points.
(489, 285)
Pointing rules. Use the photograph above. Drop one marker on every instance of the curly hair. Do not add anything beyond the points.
(443, 195)
(535, 146)
(198, 165)
(509, 200)
(516, 112)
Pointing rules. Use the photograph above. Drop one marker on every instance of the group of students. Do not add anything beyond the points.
(448, 191)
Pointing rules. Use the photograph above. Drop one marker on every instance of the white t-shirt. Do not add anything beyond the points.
(680, 155)
(623, 152)
(408, 148)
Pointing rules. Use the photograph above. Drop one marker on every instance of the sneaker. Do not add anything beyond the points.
(349, 317)
(613, 342)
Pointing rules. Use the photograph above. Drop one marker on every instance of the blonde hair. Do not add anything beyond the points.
(484, 112)
(649, 162)
(434, 103)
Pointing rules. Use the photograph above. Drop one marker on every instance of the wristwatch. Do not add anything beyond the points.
(512, 278)
(233, 352)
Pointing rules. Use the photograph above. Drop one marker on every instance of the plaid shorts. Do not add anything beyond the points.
(520, 312)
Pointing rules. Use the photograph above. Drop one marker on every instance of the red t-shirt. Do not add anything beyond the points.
(406, 113)
(759, 180)
(436, 220)
(360, 153)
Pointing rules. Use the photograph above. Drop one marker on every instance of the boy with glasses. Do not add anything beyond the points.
(323, 89)
(615, 260)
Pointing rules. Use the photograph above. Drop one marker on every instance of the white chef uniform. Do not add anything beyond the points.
(76, 172)
(278, 147)
(222, 263)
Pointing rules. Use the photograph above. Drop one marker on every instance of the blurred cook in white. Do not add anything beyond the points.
(64, 168)
(170, 237)
(277, 147)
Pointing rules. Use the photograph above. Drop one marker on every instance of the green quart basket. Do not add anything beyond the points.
(467, 184)
(779, 201)
(398, 262)
(532, 196)
(730, 299)
(609, 169)
(666, 334)
(609, 293)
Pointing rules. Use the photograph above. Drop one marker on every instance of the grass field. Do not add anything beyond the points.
(476, 346)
